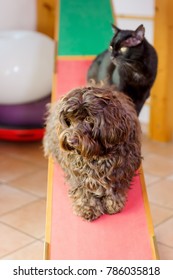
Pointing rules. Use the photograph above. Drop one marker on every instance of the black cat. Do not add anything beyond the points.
(130, 64)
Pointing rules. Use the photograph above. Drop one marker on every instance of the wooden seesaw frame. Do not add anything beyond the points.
(127, 235)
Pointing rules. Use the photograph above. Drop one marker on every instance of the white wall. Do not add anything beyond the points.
(18, 14)
(134, 7)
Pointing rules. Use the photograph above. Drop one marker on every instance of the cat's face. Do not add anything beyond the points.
(124, 42)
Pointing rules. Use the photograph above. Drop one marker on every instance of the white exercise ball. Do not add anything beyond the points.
(26, 66)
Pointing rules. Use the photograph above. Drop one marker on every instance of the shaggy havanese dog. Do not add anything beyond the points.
(94, 134)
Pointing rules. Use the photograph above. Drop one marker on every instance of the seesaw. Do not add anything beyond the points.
(127, 235)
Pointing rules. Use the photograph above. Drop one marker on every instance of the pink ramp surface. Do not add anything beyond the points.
(121, 236)
(70, 74)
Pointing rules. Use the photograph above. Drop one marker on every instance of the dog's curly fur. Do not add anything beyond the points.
(94, 134)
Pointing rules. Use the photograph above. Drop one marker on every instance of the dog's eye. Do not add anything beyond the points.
(90, 121)
(67, 122)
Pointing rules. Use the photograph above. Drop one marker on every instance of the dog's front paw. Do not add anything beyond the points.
(114, 203)
(87, 213)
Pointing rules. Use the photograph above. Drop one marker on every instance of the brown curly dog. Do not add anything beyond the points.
(95, 135)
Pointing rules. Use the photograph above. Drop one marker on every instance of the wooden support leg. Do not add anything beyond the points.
(161, 118)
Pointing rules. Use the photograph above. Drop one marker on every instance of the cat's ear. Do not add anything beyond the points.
(115, 29)
(140, 32)
(136, 38)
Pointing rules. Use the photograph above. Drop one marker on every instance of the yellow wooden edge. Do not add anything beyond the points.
(46, 252)
(48, 210)
(54, 82)
(56, 22)
(134, 17)
(50, 163)
(161, 120)
(148, 216)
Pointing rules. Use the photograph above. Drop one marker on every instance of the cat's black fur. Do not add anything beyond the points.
(130, 64)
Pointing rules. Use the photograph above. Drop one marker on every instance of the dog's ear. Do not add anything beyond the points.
(114, 126)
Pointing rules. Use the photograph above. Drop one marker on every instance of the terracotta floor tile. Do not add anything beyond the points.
(170, 177)
(33, 251)
(12, 168)
(34, 183)
(161, 193)
(149, 179)
(159, 214)
(164, 233)
(30, 151)
(148, 146)
(157, 165)
(165, 253)
(29, 219)
(161, 149)
(2, 156)
(11, 198)
(11, 240)
(166, 150)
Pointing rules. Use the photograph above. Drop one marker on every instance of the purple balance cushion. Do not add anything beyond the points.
(29, 114)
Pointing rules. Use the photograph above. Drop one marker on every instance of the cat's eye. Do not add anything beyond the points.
(123, 49)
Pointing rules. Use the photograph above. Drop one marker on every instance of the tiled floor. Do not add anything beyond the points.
(23, 179)
(23, 187)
